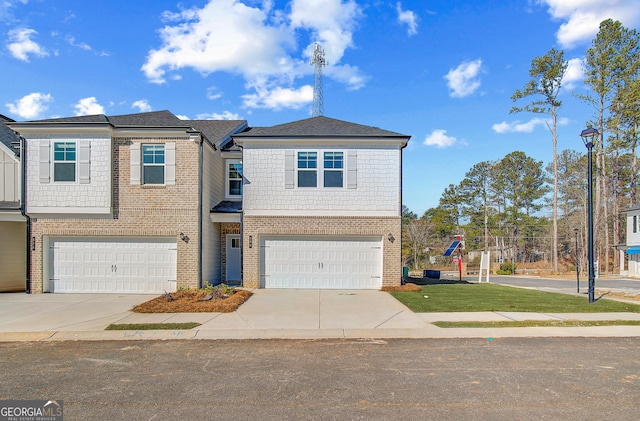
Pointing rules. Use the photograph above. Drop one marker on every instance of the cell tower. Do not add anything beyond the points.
(318, 61)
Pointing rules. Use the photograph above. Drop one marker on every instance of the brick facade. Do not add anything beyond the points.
(257, 226)
(138, 211)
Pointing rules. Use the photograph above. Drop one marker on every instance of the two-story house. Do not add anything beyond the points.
(122, 204)
(13, 247)
(321, 205)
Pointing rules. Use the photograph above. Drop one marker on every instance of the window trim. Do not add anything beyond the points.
(320, 168)
(227, 179)
(315, 170)
(55, 161)
(154, 164)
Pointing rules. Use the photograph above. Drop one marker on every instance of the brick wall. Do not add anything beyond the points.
(257, 226)
(138, 211)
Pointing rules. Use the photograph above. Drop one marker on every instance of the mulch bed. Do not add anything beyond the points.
(191, 301)
(408, 287)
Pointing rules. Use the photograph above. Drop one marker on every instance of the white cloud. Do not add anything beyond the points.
(408, 18)
(225, 115)
(259, 42)
(439, 139)
(213, 93)
(574, 74)
(88, 106)
(582, 17)
(82, 45)
(526, 127)
(30, 106)
(463, 80)
(21, 45)
(278, 97)
(142, 105)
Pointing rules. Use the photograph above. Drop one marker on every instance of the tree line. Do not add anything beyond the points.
(498, 204)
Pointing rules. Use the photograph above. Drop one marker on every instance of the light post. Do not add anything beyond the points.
(577, 261)
(587, 136)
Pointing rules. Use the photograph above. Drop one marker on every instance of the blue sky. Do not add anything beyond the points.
(440, 71)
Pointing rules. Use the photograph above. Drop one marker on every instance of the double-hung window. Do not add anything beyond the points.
(153, 164)
(333, 169)
(307, 169)
(321, 169)
(64, 161)
(234, 178)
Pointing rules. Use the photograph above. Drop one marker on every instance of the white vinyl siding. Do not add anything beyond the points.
(9, 178)
(371, 183)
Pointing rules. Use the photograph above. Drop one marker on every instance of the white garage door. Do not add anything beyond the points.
(113, 265)
(327, 263)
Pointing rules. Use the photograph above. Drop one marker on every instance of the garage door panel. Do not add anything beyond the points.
(116, 265)
(348, 263)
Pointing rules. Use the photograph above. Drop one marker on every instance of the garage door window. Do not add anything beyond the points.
(153, 164)
(64, 161)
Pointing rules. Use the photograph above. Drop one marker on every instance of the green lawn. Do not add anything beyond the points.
(459, 297)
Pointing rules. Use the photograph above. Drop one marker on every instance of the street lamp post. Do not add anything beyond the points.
(577, 261)
(587, 136)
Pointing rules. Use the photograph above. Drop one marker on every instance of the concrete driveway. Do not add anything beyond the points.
(269, 313)
(266, 309)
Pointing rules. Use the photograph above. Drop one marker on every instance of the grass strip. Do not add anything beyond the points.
(539, 323)
(471, 297)
(153, 326)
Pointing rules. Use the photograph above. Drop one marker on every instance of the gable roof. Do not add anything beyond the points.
(214, 130)
(320, 126)
(218, 131)
(8, 137)
(154, 118)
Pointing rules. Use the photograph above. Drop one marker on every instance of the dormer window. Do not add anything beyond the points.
(234, 178)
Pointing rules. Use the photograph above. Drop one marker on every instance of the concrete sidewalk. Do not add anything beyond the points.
(273, 314)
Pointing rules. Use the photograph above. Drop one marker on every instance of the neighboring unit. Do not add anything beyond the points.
(321, 205)
(121, 204)
(632, 247)
(13, 226)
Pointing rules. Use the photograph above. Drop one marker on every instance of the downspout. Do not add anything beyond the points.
(200, 222)
(242, 228)
(23, 208)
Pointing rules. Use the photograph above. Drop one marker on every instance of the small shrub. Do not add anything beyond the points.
(506, 269)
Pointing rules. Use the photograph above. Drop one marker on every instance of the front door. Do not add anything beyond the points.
(234, 259)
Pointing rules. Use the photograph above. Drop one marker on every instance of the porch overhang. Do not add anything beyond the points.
(227, 211)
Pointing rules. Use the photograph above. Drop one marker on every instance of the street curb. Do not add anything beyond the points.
(311, 334)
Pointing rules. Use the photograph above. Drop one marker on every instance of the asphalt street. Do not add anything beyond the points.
(461, 379)
(566, 284)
